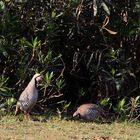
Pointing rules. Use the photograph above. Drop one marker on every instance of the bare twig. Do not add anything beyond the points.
(62, 72)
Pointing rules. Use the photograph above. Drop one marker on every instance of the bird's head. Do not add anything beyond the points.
(38, 77)
(76, 114)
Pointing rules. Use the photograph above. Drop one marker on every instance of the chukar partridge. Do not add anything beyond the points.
(29, 96)
(89, 112)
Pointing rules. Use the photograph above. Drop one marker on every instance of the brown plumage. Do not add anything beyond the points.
(29, 96)
(89, 112)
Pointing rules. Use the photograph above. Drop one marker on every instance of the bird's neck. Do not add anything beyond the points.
(31, 86)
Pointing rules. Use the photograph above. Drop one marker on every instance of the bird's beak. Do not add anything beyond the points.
(75, 115)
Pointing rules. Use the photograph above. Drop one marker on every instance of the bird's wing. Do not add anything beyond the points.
(24, 101)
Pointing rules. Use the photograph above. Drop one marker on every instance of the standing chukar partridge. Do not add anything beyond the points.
(29, 96)
(89, 112)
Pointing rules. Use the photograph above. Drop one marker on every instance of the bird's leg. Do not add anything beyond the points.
(26, 115)
(16, 111)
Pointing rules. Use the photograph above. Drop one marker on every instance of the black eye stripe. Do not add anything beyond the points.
(36, 81)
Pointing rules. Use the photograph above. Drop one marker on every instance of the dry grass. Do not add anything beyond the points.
(55, 129)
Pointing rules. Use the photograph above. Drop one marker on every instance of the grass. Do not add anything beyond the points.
(11, 128)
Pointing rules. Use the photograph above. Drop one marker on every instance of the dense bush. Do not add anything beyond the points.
(87, 50)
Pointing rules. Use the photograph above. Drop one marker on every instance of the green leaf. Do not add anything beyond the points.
(115, 109)
(59, 84)
(121, 103)
(66, 106)
(82, 92)
(2, 6)
(106, 9)
(53, 14)
(49, 56)
(3, 89)
(137, 99)
(11, 101)
(35, 43)
(105, 101)
(49, 77)
(113, 71)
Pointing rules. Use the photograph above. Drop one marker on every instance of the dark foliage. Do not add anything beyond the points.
(91, 45)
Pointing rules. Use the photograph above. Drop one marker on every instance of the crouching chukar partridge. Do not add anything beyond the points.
(29, 96)
(89, 112)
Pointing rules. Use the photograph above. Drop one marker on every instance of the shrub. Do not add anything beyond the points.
(91, 47)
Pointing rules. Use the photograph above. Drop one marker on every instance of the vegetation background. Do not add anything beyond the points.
(88, 51)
